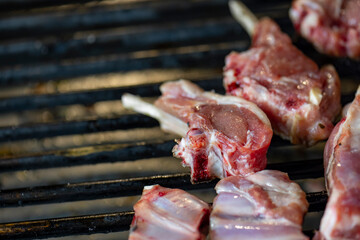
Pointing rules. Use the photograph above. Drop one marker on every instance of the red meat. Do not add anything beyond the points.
(300, 99)
(332, 26)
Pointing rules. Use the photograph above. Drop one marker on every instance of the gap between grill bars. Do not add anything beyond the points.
(47, 43)
(102, 223)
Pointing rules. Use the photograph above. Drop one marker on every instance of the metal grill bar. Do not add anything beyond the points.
(31, 102)
(133, 186)
(110, 16)
(103, 154)
(40, 73)
(85, 17)
(79, 127)
(9, 5)
(101, 223)
(94, 190)
(76, 127)
(88, 97)
(110, 42)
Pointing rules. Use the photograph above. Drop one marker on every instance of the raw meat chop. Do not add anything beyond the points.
(164, 213)
(264, 205)
(341, 219)
(228, 135)
(300, 99)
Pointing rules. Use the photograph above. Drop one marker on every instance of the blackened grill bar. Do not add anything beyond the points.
(101, 223)
(94, 190)
(76, 127)
(133, 186)
(118, 63)
(31, 102)
(102, 154)
(119, 152)
(57, 40)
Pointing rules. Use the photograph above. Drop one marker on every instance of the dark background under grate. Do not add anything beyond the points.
(73, 161)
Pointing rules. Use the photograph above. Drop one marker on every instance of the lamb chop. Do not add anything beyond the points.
(332, 26)
(341, 219)
(264, 205)
(164, 213)
(227, 135)
(300, 99)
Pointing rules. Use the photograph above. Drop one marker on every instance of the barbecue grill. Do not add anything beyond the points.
(73, 161)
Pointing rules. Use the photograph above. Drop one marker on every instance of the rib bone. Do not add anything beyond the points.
(167, 121)
(243, 15)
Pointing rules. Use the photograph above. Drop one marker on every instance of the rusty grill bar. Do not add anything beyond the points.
(46, 42)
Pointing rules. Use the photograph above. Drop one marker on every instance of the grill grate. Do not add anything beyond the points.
(48, 45)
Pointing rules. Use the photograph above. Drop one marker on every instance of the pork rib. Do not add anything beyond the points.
(341, 219)
(332, 26)
(164, 213)
(300, 99)
(228, 135)
(264, 205)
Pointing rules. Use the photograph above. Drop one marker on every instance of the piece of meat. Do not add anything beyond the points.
(333, 26)
(300, 99)
(164, 213)
(264, 205)
(341, 219)
(228, 136)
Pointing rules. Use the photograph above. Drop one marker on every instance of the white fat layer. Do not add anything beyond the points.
(167, 121)
(280, 192)
(149, 187)
(294, 15)
(314, 5)
(215, 157)
(315, 96)
(310, 21)
(164, 212)
(355, 131)
(192, 90)
(269, 182)
(243, 15)
(229, 75)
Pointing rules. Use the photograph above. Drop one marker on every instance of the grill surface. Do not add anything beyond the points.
(72, 159)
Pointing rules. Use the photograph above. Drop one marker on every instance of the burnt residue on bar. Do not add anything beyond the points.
(118, 63)
(116, 41)
(59, 227)
(76, 127)
(132, 186)
(103, 154)
(101, 223)
(92, 96)
(94, 190)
